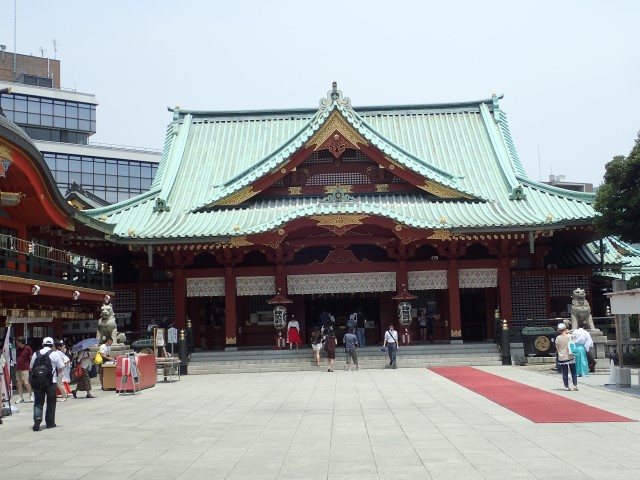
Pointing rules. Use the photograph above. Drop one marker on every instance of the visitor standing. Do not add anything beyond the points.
(63, 390)
(360, 325)
(23, 359)
(422, 323)
(391, 342)
(316, 343)
(583, 342)
(430, 324)
(566, 360)
(330, 347)
(293, 333)
(105, 353)
(350, 344)
(45, 368)
(84, 382)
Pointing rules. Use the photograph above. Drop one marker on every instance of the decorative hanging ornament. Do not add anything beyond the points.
(35, 289)
(76, 294)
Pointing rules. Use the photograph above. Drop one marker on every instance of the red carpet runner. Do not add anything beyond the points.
(532, 403)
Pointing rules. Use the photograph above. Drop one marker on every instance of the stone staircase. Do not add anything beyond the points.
(415, 356)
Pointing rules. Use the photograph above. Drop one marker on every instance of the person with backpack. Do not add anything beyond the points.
(45, 369)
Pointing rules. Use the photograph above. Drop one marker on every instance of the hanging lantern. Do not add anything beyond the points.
(404, 314)
(280, 317)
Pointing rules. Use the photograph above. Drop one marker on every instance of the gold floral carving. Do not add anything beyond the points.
(456, 333)
(442, 191)
(5, 152)
(382, 187)
(343, 189)
(231, 340)
(240, 242)
(335, 123)
(238, 197)
(274, 245)
(295, 190)
(440, 235)
(281, 231)
(338, 220)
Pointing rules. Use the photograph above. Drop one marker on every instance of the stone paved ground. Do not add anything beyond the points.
(370, 424)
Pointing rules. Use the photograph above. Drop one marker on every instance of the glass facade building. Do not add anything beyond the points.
(113, 180)
(50, 119)
(61, 123)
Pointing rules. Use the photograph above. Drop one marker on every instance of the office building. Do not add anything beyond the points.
(61, 122)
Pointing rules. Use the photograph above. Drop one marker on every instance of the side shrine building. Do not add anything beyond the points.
(340, 208)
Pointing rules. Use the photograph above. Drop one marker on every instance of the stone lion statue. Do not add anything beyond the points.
(107, 326)
(580, 310)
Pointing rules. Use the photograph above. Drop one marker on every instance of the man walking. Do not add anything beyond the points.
(23, 358)
(350, 343)
(45, 369)
(391, 342)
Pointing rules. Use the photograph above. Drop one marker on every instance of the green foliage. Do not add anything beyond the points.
(618, 199)
(633, 282)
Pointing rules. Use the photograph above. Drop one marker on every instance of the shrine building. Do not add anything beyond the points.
(339, 208)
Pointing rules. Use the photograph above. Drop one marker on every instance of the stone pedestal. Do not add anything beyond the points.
(623, 377)
(599, 342)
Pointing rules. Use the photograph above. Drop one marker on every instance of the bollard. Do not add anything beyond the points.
(182, 352)
(189, 336)
(505, 344)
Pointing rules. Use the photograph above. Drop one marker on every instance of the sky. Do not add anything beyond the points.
(569, 70)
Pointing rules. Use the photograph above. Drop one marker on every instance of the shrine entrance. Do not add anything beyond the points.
(341, 306)
(473, 314)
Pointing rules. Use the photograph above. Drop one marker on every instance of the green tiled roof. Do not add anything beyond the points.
(465, 147)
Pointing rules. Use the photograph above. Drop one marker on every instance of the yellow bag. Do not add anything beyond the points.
(98, 359)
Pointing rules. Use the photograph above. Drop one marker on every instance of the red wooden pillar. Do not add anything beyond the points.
(231, 320)
(504, 287)
(179, 302)
(455, 321)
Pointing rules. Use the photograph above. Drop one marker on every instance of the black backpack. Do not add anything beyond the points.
(41, 377)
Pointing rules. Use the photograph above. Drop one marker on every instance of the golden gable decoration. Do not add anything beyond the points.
(238, 197)
(336, 135)
(338, 220)
(441, 191)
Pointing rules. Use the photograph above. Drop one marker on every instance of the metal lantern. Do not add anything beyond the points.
(404, 313)
(280, 317)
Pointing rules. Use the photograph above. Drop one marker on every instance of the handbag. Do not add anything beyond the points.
(98, 359)
(78, 371)
(572, 347)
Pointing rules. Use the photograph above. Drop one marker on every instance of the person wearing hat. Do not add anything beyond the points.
(50, 393)
(566, 360)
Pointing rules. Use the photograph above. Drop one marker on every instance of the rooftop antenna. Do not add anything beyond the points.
(15, 41)
(55, 48)
(42, 52)
(539, 166)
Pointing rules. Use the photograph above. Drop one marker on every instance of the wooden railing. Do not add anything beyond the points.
(21, 258)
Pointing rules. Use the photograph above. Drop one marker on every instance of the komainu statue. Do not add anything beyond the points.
(580, 310)
(107, 326)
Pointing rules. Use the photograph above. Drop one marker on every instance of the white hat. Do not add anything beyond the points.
(47, 341)
(562, 326)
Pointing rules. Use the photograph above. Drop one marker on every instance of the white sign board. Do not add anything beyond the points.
(172, 335)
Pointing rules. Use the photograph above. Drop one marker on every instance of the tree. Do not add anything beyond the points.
(618, 199)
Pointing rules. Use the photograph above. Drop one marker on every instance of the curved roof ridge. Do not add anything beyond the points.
(563, 192)
(362, 121)
(282, 152)
(312, 111)
(164, 159)
(120, 206)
